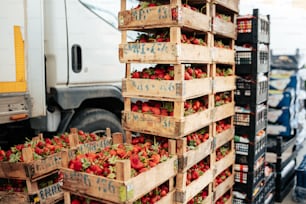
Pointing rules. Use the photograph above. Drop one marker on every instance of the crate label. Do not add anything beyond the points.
(149, 48)
(164, 87)
(50, 191)
(164, 122)
(100, 183)
(93, 146)
(161, 12)
(46, 164)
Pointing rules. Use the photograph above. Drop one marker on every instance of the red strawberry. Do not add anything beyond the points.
(75, 201)
(155, 110)
(145, 108)
(134, 108)
(77, 165)
(136, 75)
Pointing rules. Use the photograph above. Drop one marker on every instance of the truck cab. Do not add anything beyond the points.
(59, 67)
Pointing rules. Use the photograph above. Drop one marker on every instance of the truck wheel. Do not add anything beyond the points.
(96, 121)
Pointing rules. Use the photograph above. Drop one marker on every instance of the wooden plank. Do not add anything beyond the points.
(224, 163)
(116, 190)
(166, 89)
(183, 195)
(223, 111)
(230, 4)
(224, 28)
(163, 16)
(224, 137)
(166, 126)
(166, 52)
(224, 83)
(33, 169)
(223, 55)
(51, 194)
(191, 157)
(222, 188)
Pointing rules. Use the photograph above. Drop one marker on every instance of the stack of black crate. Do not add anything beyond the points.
(285, 126)
(251, 96)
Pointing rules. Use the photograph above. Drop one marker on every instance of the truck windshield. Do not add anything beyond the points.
(107, 10)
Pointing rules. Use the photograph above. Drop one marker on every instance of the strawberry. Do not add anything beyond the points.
(136, 75)
(145, 108)
(75, 201)
(134, 108)
(155, 110)
(77, 165)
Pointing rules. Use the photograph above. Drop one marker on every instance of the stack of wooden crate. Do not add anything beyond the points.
(185, 39)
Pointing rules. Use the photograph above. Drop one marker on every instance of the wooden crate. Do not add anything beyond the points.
(182, 197)
(177, 89)
(224, 136)
(224, 163)
(168, 52)
(187, 159)
(222, 27)
(50, 194)
(225, 186)
(164, 16)
(222, 53)
(31, 169)
(185, 192)
(230, 4)
(223, 83)
(166, 126)
(169, 198)
(229, 201)
(123, 189)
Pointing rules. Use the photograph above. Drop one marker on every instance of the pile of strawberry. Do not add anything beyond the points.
(222, 151)
(143, 156)
(166, 72)
(154, 195)
(223, 125)
(223, 176)
(223, 199)
(224, 17)
(226, 71)
(146, 4)
(163, 36)
(196, 138)
(45, 146)
(12, 185)
(222, 98)
(199, 198)
(165, 108)
(221, 44)
(197, 170)
(82, 200)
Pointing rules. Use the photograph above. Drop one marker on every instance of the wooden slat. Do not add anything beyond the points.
(166, 52)
(166, 126)
(163, 16)
(230, 4)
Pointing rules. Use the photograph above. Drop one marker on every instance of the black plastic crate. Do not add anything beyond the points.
(248, 179)
(251, 150)
(249, 90)
(279, 144)
(253, 28)
(250, 119)
(252, 60)
(283, 160)
(240, 197)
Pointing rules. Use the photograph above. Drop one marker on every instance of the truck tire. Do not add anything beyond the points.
(96, 121)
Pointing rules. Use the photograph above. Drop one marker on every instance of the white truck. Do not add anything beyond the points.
(59, 67)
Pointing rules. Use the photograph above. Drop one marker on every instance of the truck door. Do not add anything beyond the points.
(93, 42)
